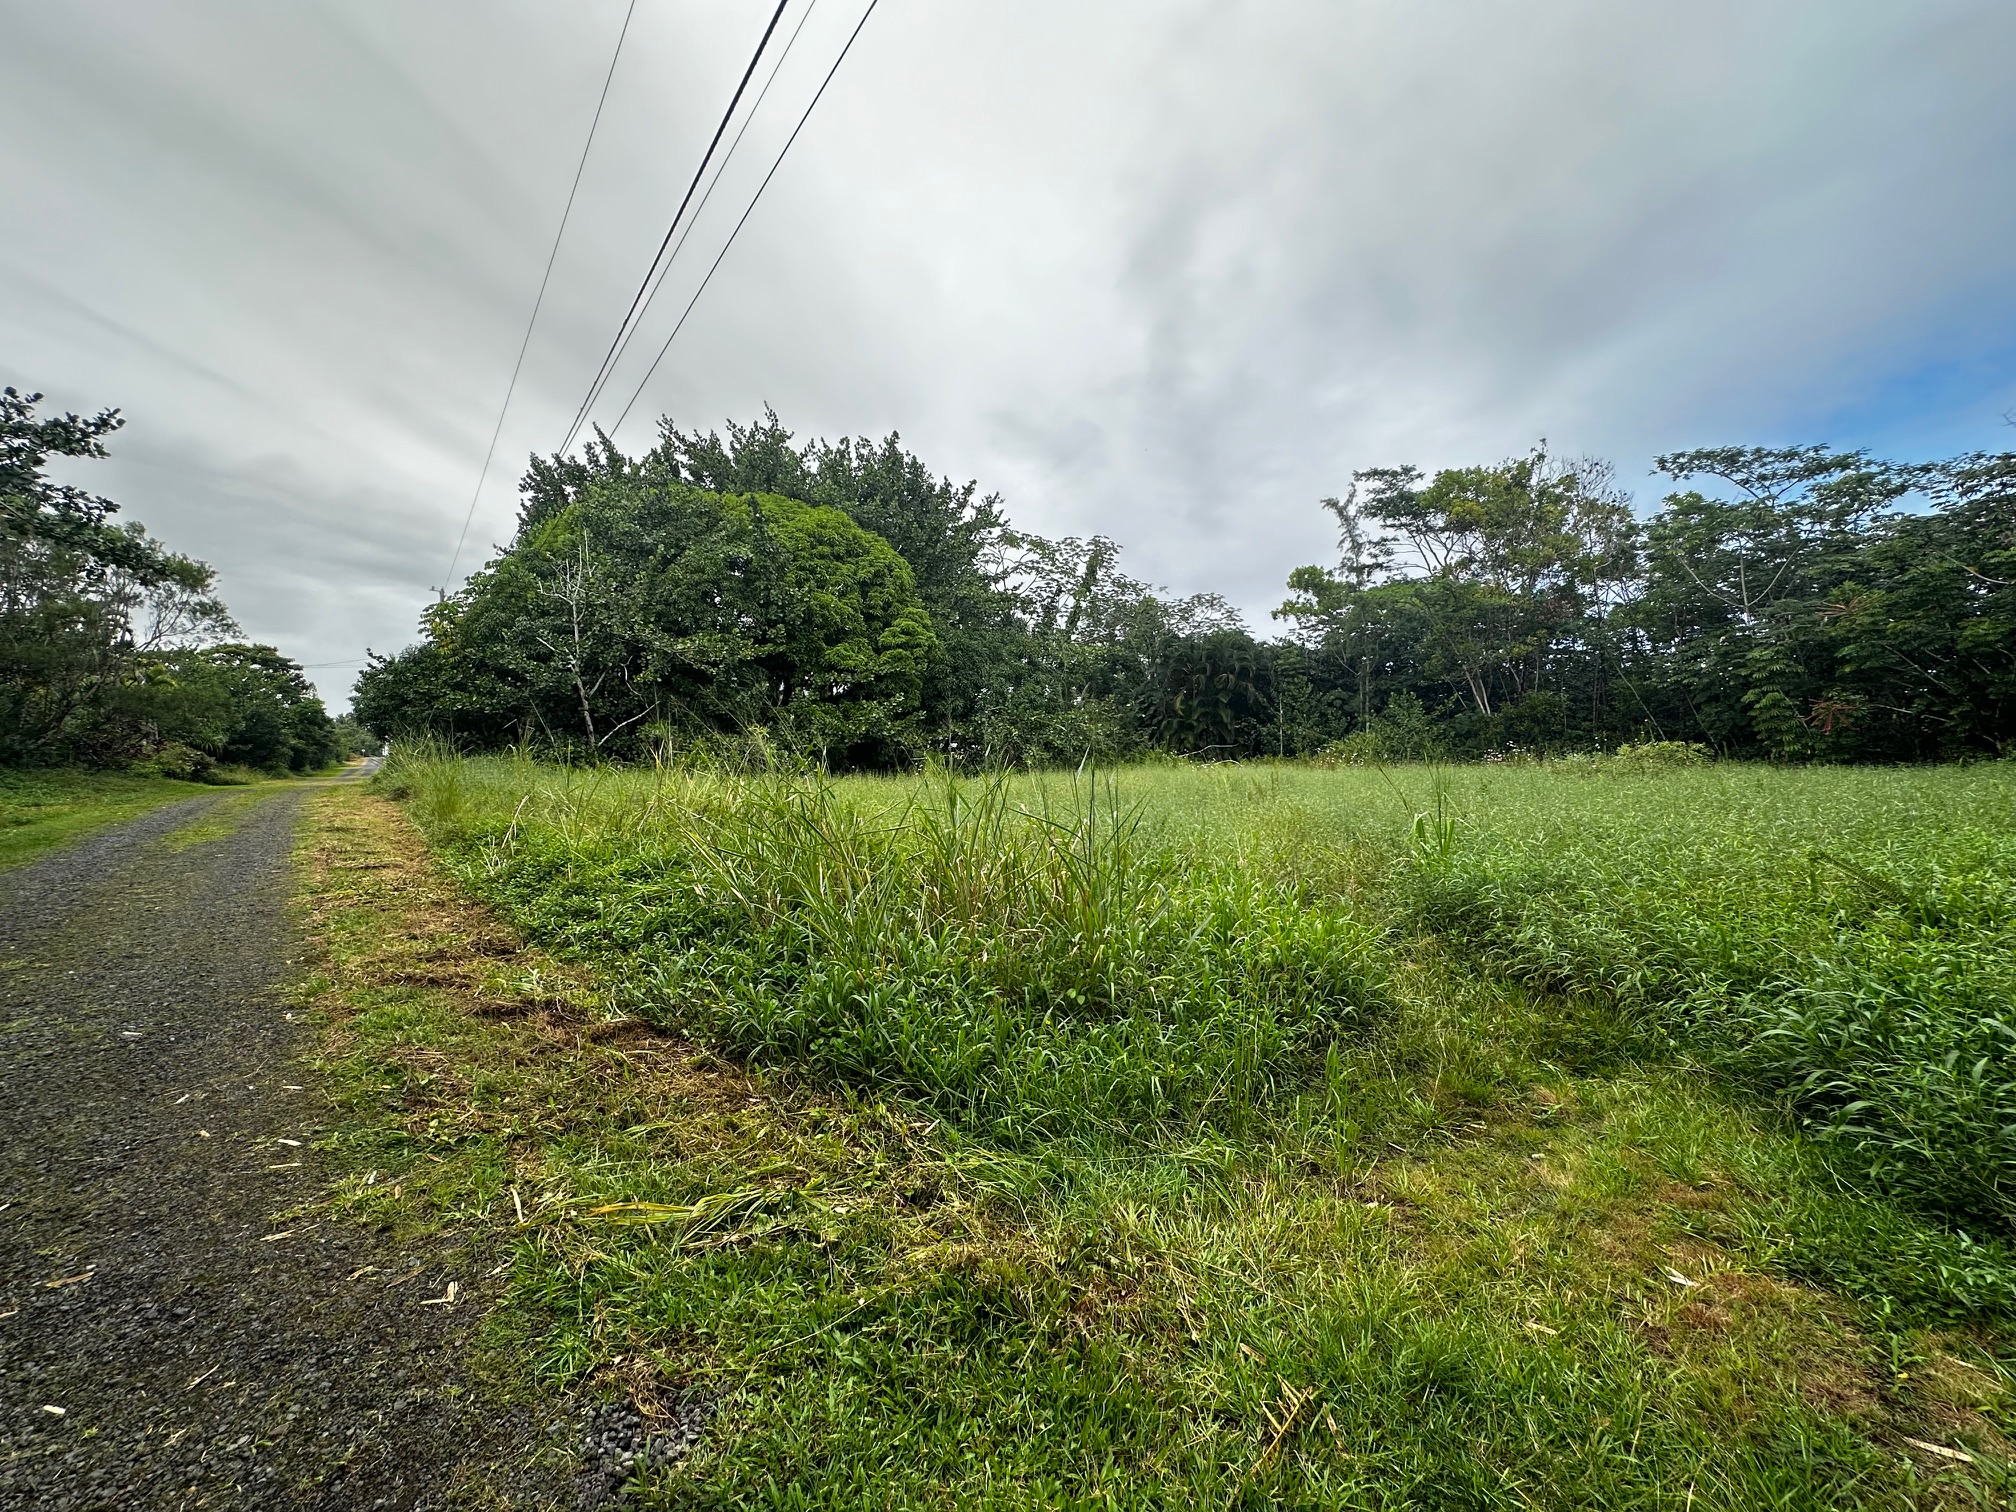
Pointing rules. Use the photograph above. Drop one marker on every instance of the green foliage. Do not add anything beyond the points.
(1509, 558)
(237, 705)
(1026, 973)
(352, 738)
(1813, 618)
(1837, 608)
(109, 647)
(1464, 1229)
(1648, 756)
(950, 538)
(1838, 944)
(1817, 607)
(1055, 960)
(1023, 652)
(650, 613)
(1402, 731)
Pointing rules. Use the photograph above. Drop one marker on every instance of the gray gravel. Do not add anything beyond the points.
(160, 1344)
(621, 1444)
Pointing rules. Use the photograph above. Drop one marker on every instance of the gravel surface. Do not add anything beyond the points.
(168, 1337)
(621, 1442)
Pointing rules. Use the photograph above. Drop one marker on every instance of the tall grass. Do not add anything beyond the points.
(1032, 969)
(1841, 941)
(1208, 1154)
(1046, 955)
(1827, 939)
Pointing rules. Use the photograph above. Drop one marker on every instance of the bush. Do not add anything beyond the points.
(1661, 753)
(181, 762)
(1652, 756)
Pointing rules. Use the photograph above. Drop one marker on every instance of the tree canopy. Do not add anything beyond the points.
(635, 608)
(113, 648)
(841, 597)
(844, 601)
(1816, 605)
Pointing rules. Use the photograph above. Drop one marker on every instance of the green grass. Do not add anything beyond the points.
(1842, 942)
(1236, 1137)
(40, 810)
(1028, 975)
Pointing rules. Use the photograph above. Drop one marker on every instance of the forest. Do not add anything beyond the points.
(116, 651)
(842, 601)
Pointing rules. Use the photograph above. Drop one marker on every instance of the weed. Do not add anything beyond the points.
(1131, 1146)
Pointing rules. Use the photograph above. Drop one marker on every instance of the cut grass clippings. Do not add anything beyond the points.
(1470, 1255)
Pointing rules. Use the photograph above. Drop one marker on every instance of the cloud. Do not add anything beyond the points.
(1164, 272)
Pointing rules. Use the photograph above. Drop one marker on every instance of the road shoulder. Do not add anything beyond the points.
(471, 1079)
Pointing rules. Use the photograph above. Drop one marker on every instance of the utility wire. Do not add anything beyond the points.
(638, 391)
(544, 278)
(700, 209)
(637, 299)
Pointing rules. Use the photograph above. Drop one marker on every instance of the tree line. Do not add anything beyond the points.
(115, 650)
(840, 600)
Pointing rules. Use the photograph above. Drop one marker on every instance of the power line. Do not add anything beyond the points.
(512, 387)
(701, 209)
(637, 299)
(638, 391)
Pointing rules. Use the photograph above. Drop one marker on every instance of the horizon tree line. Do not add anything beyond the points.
(839, 599)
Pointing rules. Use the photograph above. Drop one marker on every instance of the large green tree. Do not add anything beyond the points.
(1486, 591)
(645, 609)
(1792, 603)
(1832, 605)
(107, 637)
(954, 541)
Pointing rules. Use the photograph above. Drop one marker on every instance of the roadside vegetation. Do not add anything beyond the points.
(1612, 1121)
(1789, 604)
(1612, 1133)
(116, 653)
(40, 810)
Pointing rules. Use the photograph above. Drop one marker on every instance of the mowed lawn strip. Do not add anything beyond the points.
(40, 810)
(1465, 1260)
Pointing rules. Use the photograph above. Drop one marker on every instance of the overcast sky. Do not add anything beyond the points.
(1162, 269)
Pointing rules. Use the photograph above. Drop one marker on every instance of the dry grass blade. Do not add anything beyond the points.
(1941, 1450)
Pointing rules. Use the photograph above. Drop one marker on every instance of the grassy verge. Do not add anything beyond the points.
(40, 810)
(1424, 1235)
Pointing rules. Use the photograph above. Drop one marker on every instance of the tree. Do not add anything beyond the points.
(1494, 582)
(83, 601)
(956, 543)
(1210, 694)
(641, 609)
(231, 704)
(1795, 604)
(1812, 616)
(1805, 605)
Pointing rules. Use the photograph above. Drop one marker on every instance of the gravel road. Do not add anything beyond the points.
(168, 1338)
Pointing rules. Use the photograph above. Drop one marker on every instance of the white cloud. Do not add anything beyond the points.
(1164, 271)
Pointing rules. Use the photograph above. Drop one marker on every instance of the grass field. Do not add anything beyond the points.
(40, 810)
(1236, 1136)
